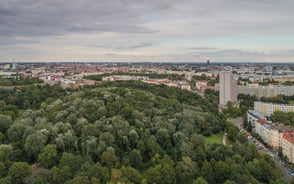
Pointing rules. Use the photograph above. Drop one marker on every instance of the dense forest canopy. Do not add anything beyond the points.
(19, 81)
(128, 132)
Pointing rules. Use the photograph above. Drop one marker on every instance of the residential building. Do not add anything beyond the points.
(203, 88)
(266, 91)
(66, 83)
(288, 145)
(271, 133)
(267, 69)
(257, 120)
(277, 136)
(199, 84)
(228, 88)
(268, 109)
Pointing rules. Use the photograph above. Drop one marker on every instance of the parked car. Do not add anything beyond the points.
(291, 173)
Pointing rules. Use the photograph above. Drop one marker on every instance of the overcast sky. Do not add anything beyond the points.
(147, 30)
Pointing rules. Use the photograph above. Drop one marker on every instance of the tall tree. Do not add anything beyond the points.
(18, 171)
(48, 156)
(35, 143)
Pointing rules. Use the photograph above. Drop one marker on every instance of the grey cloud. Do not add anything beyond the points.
(148, 23)
(236, 55)
(45, 18)
(255, 2)
(6, 12)
(134, 46)
(42, 18)
(108, 27)
(204, 48)
(218, 51)
(123, 46)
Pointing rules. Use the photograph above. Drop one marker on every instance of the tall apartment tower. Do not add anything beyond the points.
(227, 88)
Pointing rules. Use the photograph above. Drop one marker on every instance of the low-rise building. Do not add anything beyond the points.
(268, 109)
(6, 74)
(199, 84)
(66, 83)
(254, 116)
(203, 88)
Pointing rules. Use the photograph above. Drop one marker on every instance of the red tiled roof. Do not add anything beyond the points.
(289, 136)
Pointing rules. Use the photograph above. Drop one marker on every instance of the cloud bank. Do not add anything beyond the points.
(226, 30)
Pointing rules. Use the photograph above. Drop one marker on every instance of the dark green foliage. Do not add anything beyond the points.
(127, 132)
(5, 122)
(286, 118)
(2, 169)
(61, 174)
(40, 176)
(288, 83)
(232, 132)
(246, 102)
(47, 156)
(278, 99)
(27, 97)
(19, 81)
(232, 111)
(18, 171)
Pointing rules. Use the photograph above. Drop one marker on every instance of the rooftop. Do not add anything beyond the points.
(289, 136)
(256, 114)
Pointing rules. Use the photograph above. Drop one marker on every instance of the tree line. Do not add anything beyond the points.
(19, 81)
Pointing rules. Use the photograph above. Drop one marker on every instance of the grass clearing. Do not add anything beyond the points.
(215, 138)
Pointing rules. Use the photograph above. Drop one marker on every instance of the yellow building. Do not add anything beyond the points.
(268, 109)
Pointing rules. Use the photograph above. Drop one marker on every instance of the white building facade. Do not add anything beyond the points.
(266, 91)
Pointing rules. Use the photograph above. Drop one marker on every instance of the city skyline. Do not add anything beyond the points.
(152, 31)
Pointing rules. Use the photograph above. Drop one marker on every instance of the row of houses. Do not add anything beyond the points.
(268, 109)
(276, 135)
(262, 91)
(180, 84)
(266, 91)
